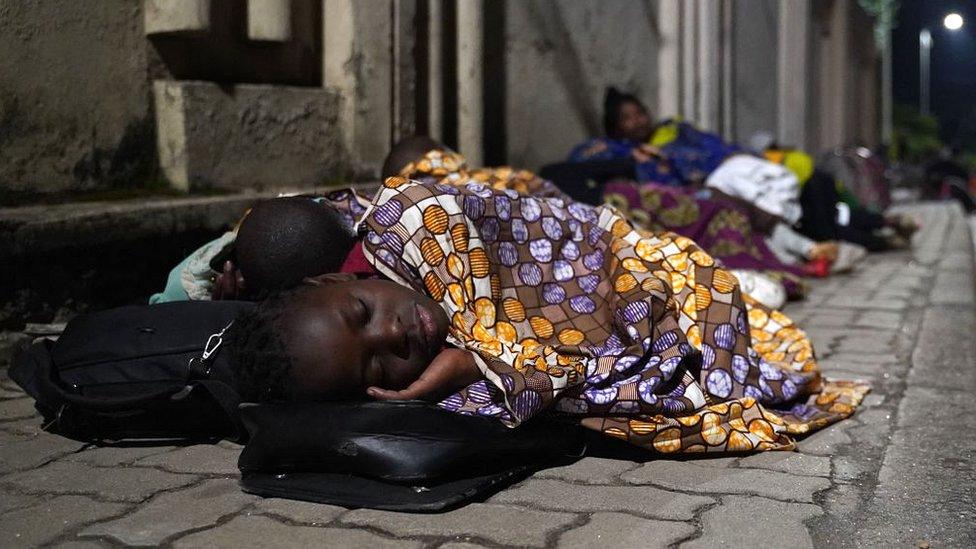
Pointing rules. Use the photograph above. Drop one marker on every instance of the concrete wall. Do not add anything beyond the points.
(755, 69)
(74, 95)
(248, 136)
(79, 111)
(76, 101)
(560, 57)
(867, 90)
(845, 77)
(358, 61)
(224, 50)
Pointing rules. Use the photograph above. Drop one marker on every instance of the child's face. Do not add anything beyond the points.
(344, 337)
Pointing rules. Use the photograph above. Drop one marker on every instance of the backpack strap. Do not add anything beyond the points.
(200, 374)
(201, 367)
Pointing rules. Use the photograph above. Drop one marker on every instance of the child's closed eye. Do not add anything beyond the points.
(365, 314)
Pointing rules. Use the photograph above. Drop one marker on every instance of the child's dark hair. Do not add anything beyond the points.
(261, 362)
(283, 240)
(406, 151)
(613, 101)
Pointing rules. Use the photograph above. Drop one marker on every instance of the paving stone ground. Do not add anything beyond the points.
(899, 473)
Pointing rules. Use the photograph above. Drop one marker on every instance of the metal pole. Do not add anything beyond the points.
(435, 70)
(924, 59)
(887, 123)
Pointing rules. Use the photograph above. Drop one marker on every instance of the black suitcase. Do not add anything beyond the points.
(399, 456)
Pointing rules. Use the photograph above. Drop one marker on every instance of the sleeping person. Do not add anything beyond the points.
(769, 281)
(504, 305)
(674, 156)
(269, 249)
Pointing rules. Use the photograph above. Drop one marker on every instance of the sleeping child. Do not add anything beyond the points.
(504, 305)
(269, 249)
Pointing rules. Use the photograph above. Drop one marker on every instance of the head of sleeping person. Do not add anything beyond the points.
(333, 337)
(407, 150)
(284, 240)
(625, 117)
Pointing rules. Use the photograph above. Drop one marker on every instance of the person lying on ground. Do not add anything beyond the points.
(946, 178)
(830, 210)
(504, 305)
(733, 229)
(676, 154)
(771, 281)
(271, 243)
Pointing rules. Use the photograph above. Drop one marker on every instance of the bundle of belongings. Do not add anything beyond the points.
(477, 325)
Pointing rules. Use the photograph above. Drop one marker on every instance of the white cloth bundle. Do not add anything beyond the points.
(771, 187)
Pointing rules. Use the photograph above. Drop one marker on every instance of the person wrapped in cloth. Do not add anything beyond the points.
(505, 305)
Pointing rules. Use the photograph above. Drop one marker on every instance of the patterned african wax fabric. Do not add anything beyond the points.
(688, 156)
(660, 200)
(350, 204)
(451, 168)
(569, 308)
(720, 227)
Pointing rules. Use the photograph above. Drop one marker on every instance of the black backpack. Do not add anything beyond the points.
(137, 372)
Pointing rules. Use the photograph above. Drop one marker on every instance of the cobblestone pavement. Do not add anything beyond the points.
(900, 472)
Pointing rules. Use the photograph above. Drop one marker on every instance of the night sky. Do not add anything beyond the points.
(953, 62)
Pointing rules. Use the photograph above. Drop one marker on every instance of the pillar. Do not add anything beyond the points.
(174, 16)
(470, 85)
(793, 67)
(269, 20)
(669, 58)
(358, 62)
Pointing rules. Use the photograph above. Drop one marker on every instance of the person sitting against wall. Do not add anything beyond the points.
(674, 157)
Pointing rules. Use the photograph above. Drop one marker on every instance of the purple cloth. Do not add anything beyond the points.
(720, 227)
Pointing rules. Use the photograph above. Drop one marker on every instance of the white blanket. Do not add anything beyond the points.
(771, 187)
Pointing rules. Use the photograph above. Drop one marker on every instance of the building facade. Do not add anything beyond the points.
(227, 94)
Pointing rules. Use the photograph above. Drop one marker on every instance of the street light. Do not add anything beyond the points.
(953, 22)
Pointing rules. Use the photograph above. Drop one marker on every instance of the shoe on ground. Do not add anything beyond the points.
(848, 256)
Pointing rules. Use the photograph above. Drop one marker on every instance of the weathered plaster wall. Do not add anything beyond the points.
(255, 136)
(358, 62)
(561, 55)
(74, 95)
(754, 67)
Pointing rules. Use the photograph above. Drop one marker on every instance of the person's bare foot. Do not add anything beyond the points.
(897, 242)
(824, 250)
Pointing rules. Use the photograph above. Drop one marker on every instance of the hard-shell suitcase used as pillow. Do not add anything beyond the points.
(403, 456)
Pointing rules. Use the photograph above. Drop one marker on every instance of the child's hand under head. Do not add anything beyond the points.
(229, 283)
(452, 370)
(351, 338)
